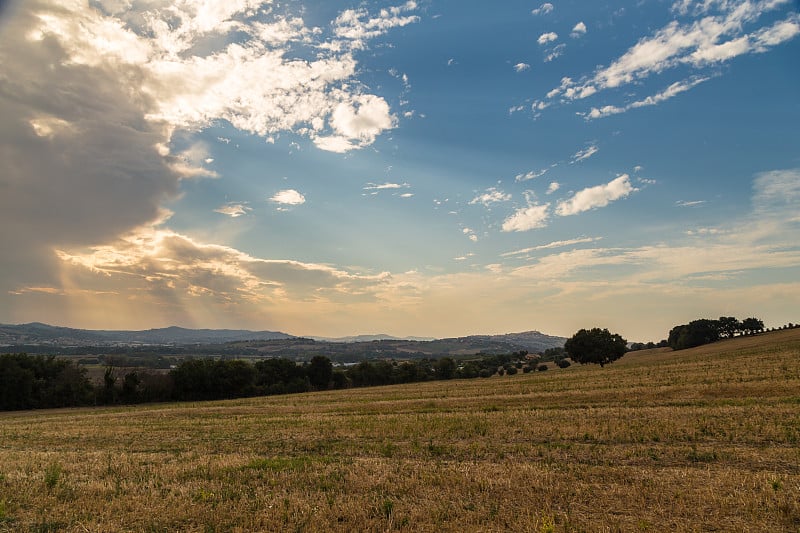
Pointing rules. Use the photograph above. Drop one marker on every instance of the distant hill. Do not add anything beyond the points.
(37, 333)
(370, 338)
(532, 341)
(43, 338)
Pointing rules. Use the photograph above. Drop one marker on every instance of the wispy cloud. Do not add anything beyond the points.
(776, 195)
(692, 203)
(233, 210)
(586, 153)
(553, 187)
(707, 41)
(355, 26)
(521, 67)
(594, 197)
(671, 91)
(533, 174)
(383, 186)
(551, 245)
(556, 52)
(543, 9)
(491, 196)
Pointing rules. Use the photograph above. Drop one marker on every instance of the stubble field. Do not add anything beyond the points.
(700, 440)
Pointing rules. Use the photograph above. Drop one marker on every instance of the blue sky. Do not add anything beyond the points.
(413, 168)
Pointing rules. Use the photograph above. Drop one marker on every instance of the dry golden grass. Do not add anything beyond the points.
(700, 440)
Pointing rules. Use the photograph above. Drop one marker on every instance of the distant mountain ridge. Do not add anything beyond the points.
(375, 345)
(37, 333)
(371, 338)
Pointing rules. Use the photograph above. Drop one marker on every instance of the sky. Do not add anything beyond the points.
(424, 168)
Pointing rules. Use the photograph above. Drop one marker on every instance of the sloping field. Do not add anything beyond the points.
(700, 440)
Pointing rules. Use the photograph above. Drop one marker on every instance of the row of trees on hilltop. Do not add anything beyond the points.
(601, 347)
(705, 331)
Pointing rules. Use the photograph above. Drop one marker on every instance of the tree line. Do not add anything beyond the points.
(705, 331)
(39, 381)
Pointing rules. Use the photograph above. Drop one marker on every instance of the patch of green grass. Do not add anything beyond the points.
(52, 474)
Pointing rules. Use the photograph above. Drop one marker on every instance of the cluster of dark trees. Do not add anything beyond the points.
(38, 381)
(636, 346)
(28, 382)
(705, 331)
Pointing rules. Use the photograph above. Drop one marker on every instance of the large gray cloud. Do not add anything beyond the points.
(80, 163)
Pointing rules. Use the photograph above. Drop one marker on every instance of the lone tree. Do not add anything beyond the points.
(596, 345)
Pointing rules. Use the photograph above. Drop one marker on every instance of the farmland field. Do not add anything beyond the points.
(706, 439)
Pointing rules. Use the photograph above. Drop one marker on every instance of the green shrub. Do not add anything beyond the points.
(52, 474)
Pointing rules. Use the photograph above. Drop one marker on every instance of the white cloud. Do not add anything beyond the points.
(586, 153)
(598, 196)
(491, 196)
(362, 119)
(528, 218)
(553, 187)
(521, 67)
(578, 30)
(551, 245)
(190, 74)
(334, 143)
(543, 9)
(704, 231)
(355, 26)
(690, 203)
(233, 210)
(533, 174)
(671, 91)
(288, 197)
(382, 186)
(470, 233)
(700, 43)
(693, 44)
(555, 52)
(547, 37)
